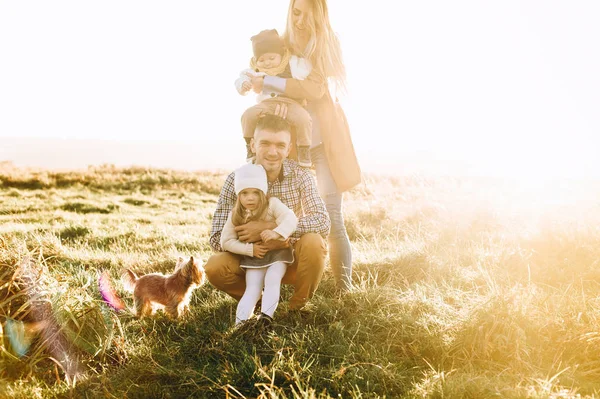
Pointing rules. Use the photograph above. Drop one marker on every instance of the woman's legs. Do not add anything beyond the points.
(254, 285)
(273, 277)
(340, 252)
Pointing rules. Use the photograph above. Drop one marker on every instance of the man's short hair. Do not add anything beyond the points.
(272, 123)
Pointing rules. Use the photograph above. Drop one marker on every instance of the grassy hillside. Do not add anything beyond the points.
(464, 288)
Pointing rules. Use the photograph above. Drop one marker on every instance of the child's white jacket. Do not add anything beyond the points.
(282, 215)
(299, 67)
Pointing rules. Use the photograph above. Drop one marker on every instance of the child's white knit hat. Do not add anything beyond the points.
(251, 176)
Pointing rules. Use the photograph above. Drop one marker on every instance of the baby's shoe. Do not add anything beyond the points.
(249, 154)
(304, 156)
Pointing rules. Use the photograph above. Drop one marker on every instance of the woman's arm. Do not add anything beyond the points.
(312, 88)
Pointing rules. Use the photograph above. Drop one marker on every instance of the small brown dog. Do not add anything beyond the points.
(173, 293)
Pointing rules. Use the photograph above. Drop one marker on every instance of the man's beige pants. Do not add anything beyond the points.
(224, 272)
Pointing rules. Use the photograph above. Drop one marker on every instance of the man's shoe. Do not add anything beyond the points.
(303, 314)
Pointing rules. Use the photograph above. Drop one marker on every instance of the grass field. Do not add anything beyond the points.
(465, 288)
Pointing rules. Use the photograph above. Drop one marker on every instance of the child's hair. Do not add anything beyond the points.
(239, 214)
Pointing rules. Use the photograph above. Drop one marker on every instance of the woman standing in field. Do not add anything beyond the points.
(309, 35)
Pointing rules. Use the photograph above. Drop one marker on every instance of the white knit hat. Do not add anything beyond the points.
(251, 176)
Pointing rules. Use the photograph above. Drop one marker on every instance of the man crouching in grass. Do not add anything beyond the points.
(297, 189)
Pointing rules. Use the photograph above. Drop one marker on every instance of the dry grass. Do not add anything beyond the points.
(464, 288)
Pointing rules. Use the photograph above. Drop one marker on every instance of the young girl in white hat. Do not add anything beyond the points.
(264, 270)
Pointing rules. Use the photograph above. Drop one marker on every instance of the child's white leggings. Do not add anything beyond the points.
(269, 277)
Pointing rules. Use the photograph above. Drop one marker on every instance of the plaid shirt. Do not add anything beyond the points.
(295, 187)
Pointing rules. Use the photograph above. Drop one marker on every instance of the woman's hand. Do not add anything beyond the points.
(257, 82)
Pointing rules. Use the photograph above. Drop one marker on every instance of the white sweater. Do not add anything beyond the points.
(299, 67)
(282, 215)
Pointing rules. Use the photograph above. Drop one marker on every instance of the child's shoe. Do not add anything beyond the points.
(304, 156)
(244, 328)
(264, 322)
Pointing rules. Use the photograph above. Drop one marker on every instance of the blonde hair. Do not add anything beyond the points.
(241, 215)
(323, 49)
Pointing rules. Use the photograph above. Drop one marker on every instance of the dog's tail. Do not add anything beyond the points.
(129, 279)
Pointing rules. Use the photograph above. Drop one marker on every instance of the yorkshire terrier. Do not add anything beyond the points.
(173, 293)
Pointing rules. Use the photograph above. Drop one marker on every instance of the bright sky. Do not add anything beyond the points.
(509, 87)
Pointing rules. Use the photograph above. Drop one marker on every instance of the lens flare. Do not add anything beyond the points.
(21, 334)
(109, 295)
(17, 337)
(41, 311)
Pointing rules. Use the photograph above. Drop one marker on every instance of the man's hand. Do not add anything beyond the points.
(259, 250)
(268, 235)
(276, 244)
(250, 232)
(257, 82)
